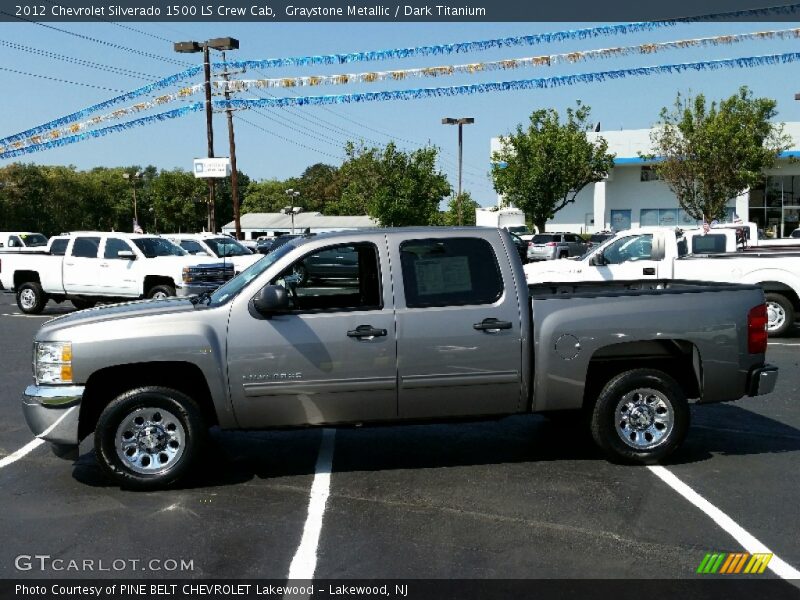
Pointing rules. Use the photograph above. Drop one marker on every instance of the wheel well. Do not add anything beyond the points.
(106, 384)
(21, 277)
(151, 281)
(776, 287)
(677, 358)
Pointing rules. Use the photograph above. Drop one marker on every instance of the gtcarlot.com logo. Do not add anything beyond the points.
(45, 562)
(731, 563)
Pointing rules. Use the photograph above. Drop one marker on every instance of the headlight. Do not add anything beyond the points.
(52, 362)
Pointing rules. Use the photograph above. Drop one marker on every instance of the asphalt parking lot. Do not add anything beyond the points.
(515, 498)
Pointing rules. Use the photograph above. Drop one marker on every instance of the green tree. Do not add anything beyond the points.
(711, 154)
(393, 187)
(179, 201)
(468, 206)
(267, 196)
(542, 168)
(319, 187)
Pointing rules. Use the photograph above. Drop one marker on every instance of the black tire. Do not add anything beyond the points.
(31, 298)
(161, 291)
(781, 313)
(82, 304)
(651, 391)
(168, 416)
(563, 255)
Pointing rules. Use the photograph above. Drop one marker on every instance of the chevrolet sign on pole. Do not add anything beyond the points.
(212, 167)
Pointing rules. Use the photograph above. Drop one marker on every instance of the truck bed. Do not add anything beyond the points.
(630, 287)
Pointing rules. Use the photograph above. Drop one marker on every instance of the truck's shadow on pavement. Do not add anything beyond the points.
(236, 457)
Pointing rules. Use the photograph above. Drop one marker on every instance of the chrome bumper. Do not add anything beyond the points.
(192, 289)
(52, 412)
(762, 380)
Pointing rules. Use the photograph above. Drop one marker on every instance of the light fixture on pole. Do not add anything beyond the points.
(292, 209)
(132, 177)
(226, 43)
(460, 122)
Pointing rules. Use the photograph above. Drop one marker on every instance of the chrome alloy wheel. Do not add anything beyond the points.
(27, 299)
(776, 316)
(644, 418)
(150, 440)
(159, 296)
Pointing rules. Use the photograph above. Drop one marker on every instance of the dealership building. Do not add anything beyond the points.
(633, 196)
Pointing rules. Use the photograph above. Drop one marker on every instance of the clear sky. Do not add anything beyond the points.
(286, 141)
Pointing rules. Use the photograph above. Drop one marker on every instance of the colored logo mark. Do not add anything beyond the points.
(734, 562)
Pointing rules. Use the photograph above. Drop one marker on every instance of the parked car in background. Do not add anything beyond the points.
(550, 246)
(21, 241)
(598, 238)
(88, 266)
(795, 234)
(223, 247)
(267, 245)
(521, 245)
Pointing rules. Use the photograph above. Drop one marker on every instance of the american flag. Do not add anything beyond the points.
(136, 227)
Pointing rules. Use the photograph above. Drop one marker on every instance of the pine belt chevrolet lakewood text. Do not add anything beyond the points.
(411, 324)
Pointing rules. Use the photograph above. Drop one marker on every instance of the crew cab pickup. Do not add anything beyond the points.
(88, 267)
(669, 253)
(433, 324)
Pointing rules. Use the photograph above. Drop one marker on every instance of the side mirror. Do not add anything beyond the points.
(126, 254)
(271, 299)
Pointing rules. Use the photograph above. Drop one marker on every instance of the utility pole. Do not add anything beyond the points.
(221, 44)
(232, 143)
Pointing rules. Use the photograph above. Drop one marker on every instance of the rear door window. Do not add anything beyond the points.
(450, 272)
(59, 247)
(86, 247)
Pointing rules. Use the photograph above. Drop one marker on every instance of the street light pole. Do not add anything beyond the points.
(291, 209)
(460, 122)
(133, 177)
(221, 44)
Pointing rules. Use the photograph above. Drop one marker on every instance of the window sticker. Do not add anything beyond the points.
(443, 275)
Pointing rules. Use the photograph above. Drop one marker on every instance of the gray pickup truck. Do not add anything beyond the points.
(433, 324)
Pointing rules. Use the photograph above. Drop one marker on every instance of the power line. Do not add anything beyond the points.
(98, 87)
(291, 141)
(78, 61)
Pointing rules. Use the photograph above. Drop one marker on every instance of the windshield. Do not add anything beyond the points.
(226, 247)
(228, 291)
(153, 247)
(33, 240)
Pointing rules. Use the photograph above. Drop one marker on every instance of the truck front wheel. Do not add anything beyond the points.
(159, 292)
(641, 416)
(780, 314)
(148, 437)
(31, 298)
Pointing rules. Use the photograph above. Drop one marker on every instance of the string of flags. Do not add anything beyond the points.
(45, 130)
(399, 75)
(412, 94)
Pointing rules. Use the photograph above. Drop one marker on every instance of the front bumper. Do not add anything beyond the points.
(52, 412)
(192, 289)
(762, 380)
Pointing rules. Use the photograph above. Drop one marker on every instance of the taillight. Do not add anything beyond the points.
(551, 244)
(757, 329)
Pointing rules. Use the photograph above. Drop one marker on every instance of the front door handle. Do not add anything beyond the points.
(492, 325)
(366, 331)
(649, 271)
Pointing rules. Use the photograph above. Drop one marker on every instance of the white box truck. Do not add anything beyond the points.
(511, 219)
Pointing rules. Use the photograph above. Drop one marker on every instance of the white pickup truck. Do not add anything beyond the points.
(669, 253)
(90, 266)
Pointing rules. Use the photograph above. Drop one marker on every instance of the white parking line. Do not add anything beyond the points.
(748, 542)
(304, 562)
(33, 444)
(14, 457)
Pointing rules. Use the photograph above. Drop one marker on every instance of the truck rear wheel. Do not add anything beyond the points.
(640, 416)
(148, 437)
(780, 314)
(31, 299)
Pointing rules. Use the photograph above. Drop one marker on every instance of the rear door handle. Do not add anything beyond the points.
(492, 325)
(649, 271)
(366, 331)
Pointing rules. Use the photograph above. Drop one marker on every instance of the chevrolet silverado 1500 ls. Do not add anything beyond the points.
(433, 324)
